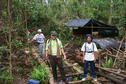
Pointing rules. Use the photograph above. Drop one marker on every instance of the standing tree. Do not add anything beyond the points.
(10, 30)
(110, 15)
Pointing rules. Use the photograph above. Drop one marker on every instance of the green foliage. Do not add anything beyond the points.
(64, 63)
(40, 73)
(75, 79)
(73, 70)
(4, 13)
(35, 62)
(79, 67)
(3, 51)
(4, 76)
(87, 82)
(109, 63)
(56, 13)
(99, 70)
(17, 44)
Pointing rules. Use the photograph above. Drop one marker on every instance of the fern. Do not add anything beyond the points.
(40, 73)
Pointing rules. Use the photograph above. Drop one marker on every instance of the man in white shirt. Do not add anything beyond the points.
(89, 56)
(40, 38)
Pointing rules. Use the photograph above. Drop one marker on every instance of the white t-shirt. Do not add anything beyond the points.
(89, 47)
(39, 38)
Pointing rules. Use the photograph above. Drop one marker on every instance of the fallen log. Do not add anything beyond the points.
(111, 71)
(72, 74)
(78, 70)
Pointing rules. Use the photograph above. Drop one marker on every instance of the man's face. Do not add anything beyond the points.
(53, 36)
(39, 32)
(89, 39)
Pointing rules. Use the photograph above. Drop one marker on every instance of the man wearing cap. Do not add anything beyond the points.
(40, 38)
(89, 56)
(54, 51)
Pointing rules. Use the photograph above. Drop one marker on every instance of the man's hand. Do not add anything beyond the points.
(94, 60)
(31, 41)
(82, 60)
(64, 57)
(95, 54)
(83, 57)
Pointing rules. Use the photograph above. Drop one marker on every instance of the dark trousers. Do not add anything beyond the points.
(56, 61)
(92, 68)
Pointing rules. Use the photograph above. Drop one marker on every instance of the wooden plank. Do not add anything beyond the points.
(74, 74)
(68, 66)
(80, 81)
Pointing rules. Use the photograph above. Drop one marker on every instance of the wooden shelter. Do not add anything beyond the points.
(98, 29)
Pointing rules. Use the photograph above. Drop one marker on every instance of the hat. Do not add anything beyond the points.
(39, 30)
(53, 33)
(89, 35)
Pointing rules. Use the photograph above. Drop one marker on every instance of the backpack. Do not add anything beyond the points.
(92, 46)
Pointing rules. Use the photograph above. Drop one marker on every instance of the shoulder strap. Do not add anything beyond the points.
(48, 41)
(85, 47)
(58, 39)
(93, 46)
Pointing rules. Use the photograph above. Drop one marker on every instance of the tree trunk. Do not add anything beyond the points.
(84, 2)
(110, 16)
(42, 1)
(10, 29)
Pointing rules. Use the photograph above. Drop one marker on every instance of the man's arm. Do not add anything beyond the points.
(46, 50)
(34, 38)
(95, 52)
(95, 56)
(46, 54)
(83, 56)
(31, 41)
(45, 40)
(63, 53)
